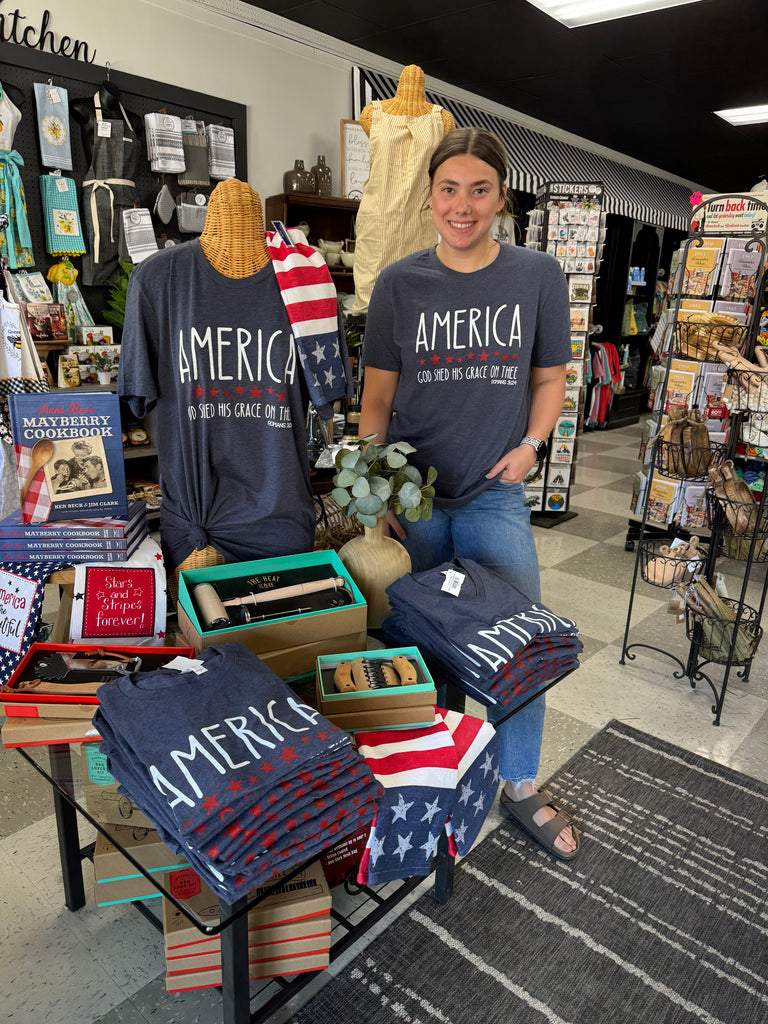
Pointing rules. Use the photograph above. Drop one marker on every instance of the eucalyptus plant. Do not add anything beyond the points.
(373, 478)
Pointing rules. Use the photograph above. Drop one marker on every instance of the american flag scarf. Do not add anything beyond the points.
(441, 776)
(310, 301)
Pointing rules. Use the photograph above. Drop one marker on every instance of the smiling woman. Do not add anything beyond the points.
(465, 351)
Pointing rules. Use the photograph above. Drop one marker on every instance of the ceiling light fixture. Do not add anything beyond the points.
(575, 13)
(745, 115)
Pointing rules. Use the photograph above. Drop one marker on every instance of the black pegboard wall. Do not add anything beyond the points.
(148, 184)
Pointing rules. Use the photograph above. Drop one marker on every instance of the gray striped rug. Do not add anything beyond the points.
(662, 919)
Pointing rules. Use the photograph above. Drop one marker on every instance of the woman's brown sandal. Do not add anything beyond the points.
(521, 812)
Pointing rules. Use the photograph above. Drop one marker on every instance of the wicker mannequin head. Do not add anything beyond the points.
(233, 239)
(410, 100)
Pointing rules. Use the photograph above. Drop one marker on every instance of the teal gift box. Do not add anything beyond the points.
(289, 643)
(385, 707)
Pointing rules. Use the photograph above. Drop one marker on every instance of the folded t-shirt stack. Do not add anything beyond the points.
(237, 774)
(480, 633)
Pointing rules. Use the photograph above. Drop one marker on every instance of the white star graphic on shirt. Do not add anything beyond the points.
(479, 803)
(302, 357)
(319, 352)
(377, 848)
(466, 793)
(404, 844)
(431, 810)
(429, 846)
(336, 350)
(461, 832)
(496, 774)
(487, 764)
(401, 811)
(330, 377)
(315, 381)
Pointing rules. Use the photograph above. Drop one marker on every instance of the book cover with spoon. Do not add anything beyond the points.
(69, 455)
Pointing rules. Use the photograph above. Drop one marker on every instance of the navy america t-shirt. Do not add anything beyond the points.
(215, 356)
(463, 345)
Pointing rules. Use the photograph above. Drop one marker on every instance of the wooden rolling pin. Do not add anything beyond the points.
(214, 610)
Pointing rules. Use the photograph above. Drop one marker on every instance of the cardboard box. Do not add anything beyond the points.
(258, 935)
(143, 844)
(269, 969)
(29, 704)
(100, 789)
(388, 718)
(305, 895)
(275, 640)
(41, 732)
(127, 890)
(282, 949)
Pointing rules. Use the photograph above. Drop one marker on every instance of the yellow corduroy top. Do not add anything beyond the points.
(392, 222)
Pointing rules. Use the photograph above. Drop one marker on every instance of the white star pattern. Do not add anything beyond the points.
(336, 351)
(479, 804)
(429, 846)
(315, 381)
(496, 774)
(330, 377)
(302, 357)
(461, 832)
(377, 848)
(319, 352)
(401, 811)
(487, 764)
(466, 793)
(431, 810)
(404, 844)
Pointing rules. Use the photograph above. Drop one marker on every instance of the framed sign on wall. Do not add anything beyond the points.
(355, 159)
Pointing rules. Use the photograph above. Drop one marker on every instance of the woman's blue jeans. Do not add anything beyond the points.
(494, 530)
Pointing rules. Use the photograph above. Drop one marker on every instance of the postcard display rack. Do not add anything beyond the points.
(692, 486)
(568, 222)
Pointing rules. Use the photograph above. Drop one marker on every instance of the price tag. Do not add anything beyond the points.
(453, 582)
(104, 129)
(184, 884)
(53, 95)
(182, 664)
(96, 763)
(62, 185)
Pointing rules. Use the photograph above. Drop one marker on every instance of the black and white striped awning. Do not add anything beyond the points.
(536, 159)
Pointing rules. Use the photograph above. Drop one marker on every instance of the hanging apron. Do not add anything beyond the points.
(108, 188)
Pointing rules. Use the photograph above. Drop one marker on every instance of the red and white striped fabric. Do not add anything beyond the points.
(405, 757)
(311, 303)
(37, 504)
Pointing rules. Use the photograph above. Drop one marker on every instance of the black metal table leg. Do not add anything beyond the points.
(66, 828)
(443, 887)
(235, 982)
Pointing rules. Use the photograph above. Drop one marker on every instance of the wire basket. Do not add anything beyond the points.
(754, 430)
(685, 462)
(739, 519)
(697, 339)
(665, 570)
(749, 390)
(715, 634)
(738, 548)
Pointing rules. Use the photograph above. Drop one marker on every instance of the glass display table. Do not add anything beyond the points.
(355, 908)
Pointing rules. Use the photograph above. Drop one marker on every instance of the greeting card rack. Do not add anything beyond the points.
(721, 632)
(568, 222)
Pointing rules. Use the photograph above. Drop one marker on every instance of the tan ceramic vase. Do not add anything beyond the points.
(374, 561)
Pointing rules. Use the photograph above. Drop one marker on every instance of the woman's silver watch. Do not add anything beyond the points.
(539, 446)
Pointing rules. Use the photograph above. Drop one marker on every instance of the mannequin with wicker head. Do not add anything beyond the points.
(392, 221)
(234, 243)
